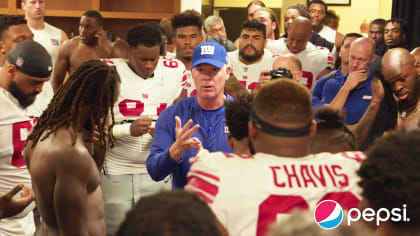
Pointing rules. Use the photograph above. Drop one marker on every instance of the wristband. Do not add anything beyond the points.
(120, 131)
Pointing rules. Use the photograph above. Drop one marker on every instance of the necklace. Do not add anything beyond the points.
(406, 115)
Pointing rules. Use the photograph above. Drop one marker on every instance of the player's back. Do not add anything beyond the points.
(248, 193)
(57, 166)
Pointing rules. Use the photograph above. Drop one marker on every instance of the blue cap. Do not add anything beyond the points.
(209, 53)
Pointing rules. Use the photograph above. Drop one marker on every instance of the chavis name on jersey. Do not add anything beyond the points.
(303, 176)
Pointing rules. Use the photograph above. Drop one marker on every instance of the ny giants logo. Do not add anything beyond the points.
(207, 49)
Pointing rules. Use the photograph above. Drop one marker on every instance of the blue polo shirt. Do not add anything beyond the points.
(317, 99)
(357, 101)
(212, 134)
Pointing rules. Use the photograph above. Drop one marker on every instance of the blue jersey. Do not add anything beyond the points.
(212, 134)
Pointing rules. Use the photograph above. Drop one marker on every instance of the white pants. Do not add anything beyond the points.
(121, 192)
(18, 226)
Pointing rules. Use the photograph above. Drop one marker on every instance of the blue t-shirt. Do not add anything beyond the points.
(357, 102)
(212, 134)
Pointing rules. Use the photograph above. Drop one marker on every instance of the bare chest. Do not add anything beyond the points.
(408, 121)
(83, 53)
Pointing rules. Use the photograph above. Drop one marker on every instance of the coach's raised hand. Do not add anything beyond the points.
(184, 140)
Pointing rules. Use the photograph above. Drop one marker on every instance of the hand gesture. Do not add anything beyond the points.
(200, 152)
(152, 131)
(101, 36)
(10, 206)
(184, 140)
(355, 78)
(265, 77)
(141, 126)
(103, 40)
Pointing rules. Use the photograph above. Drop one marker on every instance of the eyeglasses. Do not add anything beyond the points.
(215, 31)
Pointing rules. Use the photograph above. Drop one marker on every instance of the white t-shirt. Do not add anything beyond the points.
(328, 33)
(248, 75)
(50, 38)
(247, 193)
(314, 59)
(15, 126)
(141, 97)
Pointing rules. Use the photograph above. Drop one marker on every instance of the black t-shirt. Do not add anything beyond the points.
(387, 116)
(381, 49)
(318, 40)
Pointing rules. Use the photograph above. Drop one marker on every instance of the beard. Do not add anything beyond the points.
(187, 58)
(414, 98)
(23, 99)
(251, 58)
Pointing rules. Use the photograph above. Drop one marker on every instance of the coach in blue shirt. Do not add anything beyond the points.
(352, 91)
(194, 121)
(317, 98)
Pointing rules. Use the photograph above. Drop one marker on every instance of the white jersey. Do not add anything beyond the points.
(14, 129)
(170, 55)
(41, 100)
(141, 97)
(50, 38)
(328, 33)
(314, 59)
(187, 82)
(247, 193)
(248, 75)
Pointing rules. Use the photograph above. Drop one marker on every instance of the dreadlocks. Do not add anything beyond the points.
(94, 82)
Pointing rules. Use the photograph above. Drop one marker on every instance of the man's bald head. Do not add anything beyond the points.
(415, 52)
(298, 34)
(396, 58)
(301, 23)
(367, 43)
(290, 62)
(398, 68)
(362, 51)
(416, 55)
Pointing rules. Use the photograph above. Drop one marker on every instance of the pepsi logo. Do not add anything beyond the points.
(328, 214)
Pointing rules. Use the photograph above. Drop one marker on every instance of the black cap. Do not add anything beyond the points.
(31, 58)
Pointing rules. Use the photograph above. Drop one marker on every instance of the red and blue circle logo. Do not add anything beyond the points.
(328, 214)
